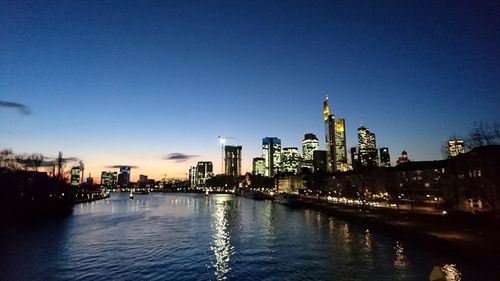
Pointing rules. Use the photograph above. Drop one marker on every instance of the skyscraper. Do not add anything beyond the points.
(192, 177)
(204, 170)
(309, 145)
(385, 159)
(271, 152)
(290, 160)
(124, 176)
(258, 166)
(340, 145)
(108, 179)
(367, 151)
(75, 176)
(329, 120)
(232, 157)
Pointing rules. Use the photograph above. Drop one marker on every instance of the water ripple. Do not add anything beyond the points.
(220, 237)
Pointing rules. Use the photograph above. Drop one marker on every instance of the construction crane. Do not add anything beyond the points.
(222, 141)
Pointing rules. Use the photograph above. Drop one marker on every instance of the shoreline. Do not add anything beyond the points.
(432, 231)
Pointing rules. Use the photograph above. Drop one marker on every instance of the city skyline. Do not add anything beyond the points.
(153, 86)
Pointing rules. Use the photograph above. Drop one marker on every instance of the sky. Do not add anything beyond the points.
(131, 82)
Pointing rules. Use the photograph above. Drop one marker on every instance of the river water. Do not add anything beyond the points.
(219, 237)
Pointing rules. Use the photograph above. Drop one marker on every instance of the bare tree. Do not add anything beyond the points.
(35, 160)
(483, 134)
(7, 158)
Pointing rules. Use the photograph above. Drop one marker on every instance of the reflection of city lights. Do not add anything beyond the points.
(451, 272)
(367, 241)
(221, 246)
(400, 258)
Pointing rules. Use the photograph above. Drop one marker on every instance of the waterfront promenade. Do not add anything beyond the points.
(466, 234)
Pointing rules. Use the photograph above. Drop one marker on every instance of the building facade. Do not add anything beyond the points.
(329, 120)
(455, 147)
(309, 145)
(340, 146)
(290, 160)
(204, 171)
(108, 179)
(367, 148)
(258, 166)
(75, 176)
(232, 160)
(271, 152)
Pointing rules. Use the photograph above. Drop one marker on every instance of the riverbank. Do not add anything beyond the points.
(470, 236)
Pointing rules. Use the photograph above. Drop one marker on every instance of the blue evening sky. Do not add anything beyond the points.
(128, 82)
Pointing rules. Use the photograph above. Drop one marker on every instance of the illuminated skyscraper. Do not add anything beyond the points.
(329, 137)
(232, 157)
(192, 176)
(271, 152)
(290, 160)
(455, 147)
(75, 176)
(108, 179)
(259, 166)
(385, 159)
(309, 145)
(340, 145)
(367, 151)
(204, 170)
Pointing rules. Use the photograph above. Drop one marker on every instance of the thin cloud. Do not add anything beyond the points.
(119, 166)
(21, 108)
(179, 157)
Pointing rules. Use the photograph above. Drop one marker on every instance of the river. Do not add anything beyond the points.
(219, 237)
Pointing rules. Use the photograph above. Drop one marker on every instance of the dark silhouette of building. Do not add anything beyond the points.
(354, 158)
(320, 161)
(385, 158)
(403, 158)
(124, 176)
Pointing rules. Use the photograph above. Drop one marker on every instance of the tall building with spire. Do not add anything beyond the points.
(329, 120)
(336, 150)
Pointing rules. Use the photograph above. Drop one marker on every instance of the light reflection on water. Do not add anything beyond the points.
(221, 246)
(400, 261)
(193, 237)
(451, 272)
